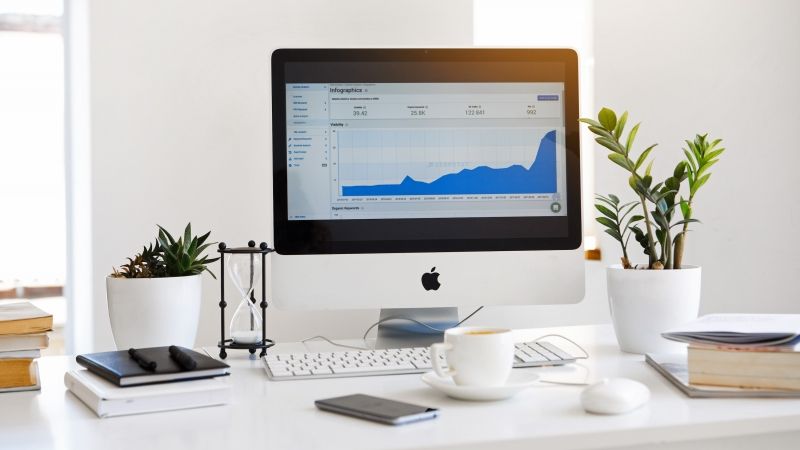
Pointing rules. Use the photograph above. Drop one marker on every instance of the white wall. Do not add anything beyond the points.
(181, 128)
(180, 121)
(730, 68)
(550, 24)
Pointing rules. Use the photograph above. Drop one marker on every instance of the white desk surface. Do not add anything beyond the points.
(281, 415)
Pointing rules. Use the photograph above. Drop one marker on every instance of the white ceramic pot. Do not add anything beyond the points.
(154, 312)
(644, 303)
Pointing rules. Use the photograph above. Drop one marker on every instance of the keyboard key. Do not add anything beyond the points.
(557, 351)
(282, 372)
(547, 353)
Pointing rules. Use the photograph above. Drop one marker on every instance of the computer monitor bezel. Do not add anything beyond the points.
(307, 237)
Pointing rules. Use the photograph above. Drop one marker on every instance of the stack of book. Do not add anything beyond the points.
(743, 351)
(148, 380)
(23, 333)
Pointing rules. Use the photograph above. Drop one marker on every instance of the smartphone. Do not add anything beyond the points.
(377, 409)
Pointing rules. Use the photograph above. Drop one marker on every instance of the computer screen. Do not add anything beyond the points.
(425, 150)
(418, 178)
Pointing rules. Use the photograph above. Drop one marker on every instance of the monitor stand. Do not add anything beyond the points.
(404, 333)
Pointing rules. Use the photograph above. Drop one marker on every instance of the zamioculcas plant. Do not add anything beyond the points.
(656, 203)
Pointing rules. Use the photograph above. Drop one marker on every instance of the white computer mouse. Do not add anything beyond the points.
(614, 396)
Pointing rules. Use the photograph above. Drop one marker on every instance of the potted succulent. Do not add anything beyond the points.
(154, 299)
(648, 298)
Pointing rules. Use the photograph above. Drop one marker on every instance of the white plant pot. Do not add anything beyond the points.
(154, 312)
(645, 303)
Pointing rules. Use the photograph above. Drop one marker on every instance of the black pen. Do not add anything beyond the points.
(182, 357)
(143, 362)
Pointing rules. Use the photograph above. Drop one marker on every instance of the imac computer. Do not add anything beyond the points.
(421, 180)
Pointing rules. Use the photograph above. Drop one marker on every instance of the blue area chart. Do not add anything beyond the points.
(539, 178)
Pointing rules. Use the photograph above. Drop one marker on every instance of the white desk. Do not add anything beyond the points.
(281, 415)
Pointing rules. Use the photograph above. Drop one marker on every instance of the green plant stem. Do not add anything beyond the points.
(680, 241)
(667, 250)
(650, 244)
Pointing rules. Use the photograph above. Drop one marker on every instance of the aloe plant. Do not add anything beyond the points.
(663, 249)
(182, 257)
(169, 257)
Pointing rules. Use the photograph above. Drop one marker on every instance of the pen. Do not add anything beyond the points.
(182, 357)
(143, 362)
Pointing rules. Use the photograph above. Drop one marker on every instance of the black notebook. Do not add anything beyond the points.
(119, 368)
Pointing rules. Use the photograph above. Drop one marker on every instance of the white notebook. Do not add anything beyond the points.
(108, 400)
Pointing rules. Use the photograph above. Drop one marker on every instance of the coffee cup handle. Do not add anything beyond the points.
(437, 350)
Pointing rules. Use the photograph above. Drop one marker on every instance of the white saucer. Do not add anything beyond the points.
(517, 381)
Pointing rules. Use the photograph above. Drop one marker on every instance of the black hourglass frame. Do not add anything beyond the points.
(253, 251)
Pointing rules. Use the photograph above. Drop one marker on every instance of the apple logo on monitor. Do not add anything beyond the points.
(430, 280)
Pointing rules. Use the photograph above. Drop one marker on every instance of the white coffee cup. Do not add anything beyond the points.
(476, 356)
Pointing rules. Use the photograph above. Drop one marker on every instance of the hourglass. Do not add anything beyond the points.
(246, 270)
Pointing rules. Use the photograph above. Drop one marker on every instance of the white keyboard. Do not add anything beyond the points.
(396, 361)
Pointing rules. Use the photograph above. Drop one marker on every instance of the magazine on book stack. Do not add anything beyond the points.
(741, 330)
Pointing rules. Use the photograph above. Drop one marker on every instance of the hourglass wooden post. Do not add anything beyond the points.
(263, 343)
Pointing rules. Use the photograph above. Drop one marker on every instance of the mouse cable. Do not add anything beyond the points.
(386, 319)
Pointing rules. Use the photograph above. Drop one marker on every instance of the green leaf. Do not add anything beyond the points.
(643, 156)
(686, 211)
(711, 155)
(625, 210)
(600, 131)
(169, 236)
(649, 168)
(705, 167)
(632, 136)
(606, 201)
(620, 160)
(689, 159)
(614, 198)
(608, 119)
(700, 182)
(662, 206)
(615, 234)
(672, 183)
(187, 233)
(681, 222)
(591, 122)
(680, 171)
(606, 212)
(610, 144)
(620, 125)
(607, 222)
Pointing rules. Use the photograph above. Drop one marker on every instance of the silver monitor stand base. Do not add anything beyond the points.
(404, 333)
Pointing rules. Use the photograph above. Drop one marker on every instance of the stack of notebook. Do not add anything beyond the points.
(743, 351)
(23, 333)
(148, 380)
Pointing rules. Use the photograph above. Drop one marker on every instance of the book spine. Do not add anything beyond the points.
(84, 394)
(98, 370)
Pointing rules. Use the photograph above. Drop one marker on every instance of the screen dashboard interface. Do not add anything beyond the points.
(425, 150)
